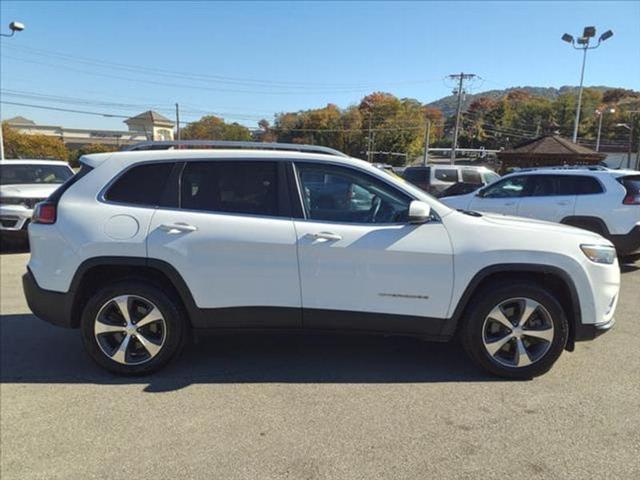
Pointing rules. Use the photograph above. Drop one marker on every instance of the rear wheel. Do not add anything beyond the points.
(515, 331)
(132, 328)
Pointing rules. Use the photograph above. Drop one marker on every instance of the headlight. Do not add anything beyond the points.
(599, 253)
(11, 201)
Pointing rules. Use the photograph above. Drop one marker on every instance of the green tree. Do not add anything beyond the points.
(211, 127)
(21, 145)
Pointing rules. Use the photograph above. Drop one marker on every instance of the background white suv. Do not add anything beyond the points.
(603, 201)
(23, 183)
(140, 247)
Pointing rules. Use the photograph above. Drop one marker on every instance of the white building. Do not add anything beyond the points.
(148, 125)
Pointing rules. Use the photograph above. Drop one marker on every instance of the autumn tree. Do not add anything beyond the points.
(74, 155)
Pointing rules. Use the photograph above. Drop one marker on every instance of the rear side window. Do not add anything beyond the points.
(471, 176)
(446, 174)
(231, 187)
(141, 185)
(416, 174)
(583, 185)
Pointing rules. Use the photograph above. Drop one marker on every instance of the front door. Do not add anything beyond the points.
(362, 265)
(500, 197)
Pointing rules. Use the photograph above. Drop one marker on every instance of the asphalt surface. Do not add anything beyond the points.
(302, 407)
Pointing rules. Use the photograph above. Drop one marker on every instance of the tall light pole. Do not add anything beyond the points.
(600, 114)
(582, 43)
(14, 27)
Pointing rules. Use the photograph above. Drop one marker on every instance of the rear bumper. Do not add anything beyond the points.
(589, 332)
(627, 243)
(52, 307)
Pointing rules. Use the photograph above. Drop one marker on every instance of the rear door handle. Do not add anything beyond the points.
(563, 203)
(326, 236)
(179, 227)
(509, 204)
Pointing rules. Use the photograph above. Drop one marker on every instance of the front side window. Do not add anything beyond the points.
(446, 174)
(140, 185)
(490, 177)
(508, 188)
(41, 174)
(338, 194)
(245, 187)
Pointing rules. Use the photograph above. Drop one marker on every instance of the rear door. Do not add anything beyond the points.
(359, 258)
(232, 240)
(549, 197)
(502, 196)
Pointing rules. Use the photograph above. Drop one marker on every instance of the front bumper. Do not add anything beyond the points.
(52, 307)
(14, 218)
(589, 332)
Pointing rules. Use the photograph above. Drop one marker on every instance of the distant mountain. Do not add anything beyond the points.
(448, 104)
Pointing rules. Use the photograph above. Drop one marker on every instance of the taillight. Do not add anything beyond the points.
(45, 212)
(632, 199)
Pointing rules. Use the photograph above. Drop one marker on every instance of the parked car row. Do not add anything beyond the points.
(24, 183)
(141, 247)
(603, 201)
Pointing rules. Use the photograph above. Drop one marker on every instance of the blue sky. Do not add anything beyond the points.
(247, 60)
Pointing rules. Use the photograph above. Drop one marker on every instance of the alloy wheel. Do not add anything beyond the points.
(517, 332)
(130, 329)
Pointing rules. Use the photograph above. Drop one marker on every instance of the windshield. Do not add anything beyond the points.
(44, 174)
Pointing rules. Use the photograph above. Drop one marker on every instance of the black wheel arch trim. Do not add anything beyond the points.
(575, 323)
(577, 220)
(116, 261)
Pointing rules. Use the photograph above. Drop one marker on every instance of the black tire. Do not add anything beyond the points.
(175, 326)
(484, 302)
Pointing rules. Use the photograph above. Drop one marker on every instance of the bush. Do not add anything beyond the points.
(21, 145)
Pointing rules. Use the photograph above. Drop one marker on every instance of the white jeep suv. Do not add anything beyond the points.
(23, 183)
(141, 247)
(600, 200)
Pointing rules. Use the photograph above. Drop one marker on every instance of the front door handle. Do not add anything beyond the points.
(179, 227)
(326, 236)
(509, 204)
(563, 203)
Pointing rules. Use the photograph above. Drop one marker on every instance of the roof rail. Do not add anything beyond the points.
(564, 167)
(207, 144)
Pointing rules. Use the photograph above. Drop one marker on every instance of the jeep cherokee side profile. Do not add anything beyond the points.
(140, 247)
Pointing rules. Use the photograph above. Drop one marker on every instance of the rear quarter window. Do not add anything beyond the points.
(140, 185)
(416, 174)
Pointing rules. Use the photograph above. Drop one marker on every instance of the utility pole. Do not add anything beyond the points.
(369, 146)
(177, 122)
(427, 134)
(461, 77)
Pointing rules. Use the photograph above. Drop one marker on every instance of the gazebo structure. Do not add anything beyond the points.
(548, 151)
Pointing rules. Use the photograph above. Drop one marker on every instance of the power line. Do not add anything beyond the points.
(233, 81)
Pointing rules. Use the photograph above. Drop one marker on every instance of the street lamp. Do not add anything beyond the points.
(600, 114)
(582, 43)
(14, 27)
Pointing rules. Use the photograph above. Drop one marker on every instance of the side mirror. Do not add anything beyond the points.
(480, 193)
(419, 212)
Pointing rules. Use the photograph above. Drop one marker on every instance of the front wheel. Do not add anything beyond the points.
(515, 331)
(132, 328)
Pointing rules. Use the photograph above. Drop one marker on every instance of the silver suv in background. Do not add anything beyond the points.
(434, 179)
(23, 183)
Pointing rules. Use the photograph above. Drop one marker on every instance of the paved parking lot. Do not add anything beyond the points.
(303, 407)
